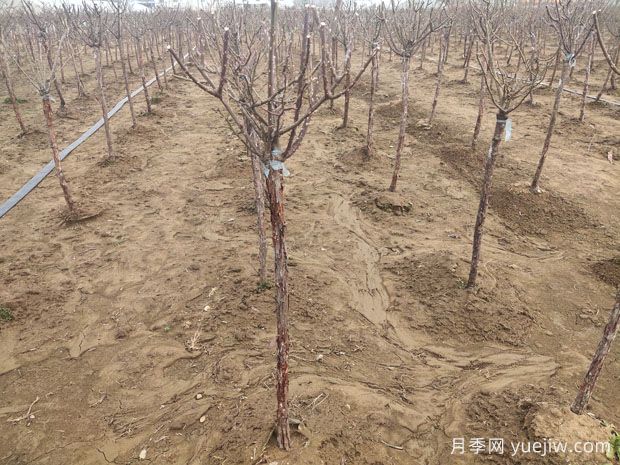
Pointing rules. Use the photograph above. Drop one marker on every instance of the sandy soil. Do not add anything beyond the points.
(145, 329)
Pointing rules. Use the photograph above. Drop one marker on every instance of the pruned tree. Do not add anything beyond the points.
(44, 28)
(91, 24)
(594, 371)
(371, 26)
(116, 29)
(613, 62)
(406, 27)
(441, 61)
(269, 99)
(571, 21)
(42, 77)
(5, 66)
(507, 90)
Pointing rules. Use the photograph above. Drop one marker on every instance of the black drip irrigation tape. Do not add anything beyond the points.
(47, 169)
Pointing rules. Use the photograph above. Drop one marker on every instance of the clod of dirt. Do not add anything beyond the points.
(393, 202)
(608, 271)
(558, 425)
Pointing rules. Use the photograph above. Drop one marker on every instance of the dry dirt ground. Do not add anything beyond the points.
(144, 328)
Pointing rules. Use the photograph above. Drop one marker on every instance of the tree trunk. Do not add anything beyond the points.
(4, 68)
(609, 74)
(47, 111)
(467, 60)
(374, 78)
(485, 193)
(403, 120)
(145, 89)
(154, 64)
(78, 78)
(555, 68)
(586, 82)
(50, 63)
(104, 105)
(275, 194)
(440, 64)
(554, 115)
(134, 122)
(474, 140)
(609, 334)
(259, 201)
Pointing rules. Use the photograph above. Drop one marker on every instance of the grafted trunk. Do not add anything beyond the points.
(609, 334)
(485, 193)
(275, 194)
(554, 115)
(104, 105)
(403, 121)
(47, 111)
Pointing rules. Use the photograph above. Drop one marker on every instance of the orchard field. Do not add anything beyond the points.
(189, 294)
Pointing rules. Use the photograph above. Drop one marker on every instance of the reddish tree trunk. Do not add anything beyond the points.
(134, 122)
(440, 64)
(50, 63)
(609, 334)
(154, 64)
(485, 193)
(103, 104)
(403, 121)
(554, 115)
(275, 194)
(609, 73)
(467, 59)
(78, 78)
(4, 68)
(474, 140)
(47, 111)
(259, 202)
(374, 79)
(586, 82)
(145, 89)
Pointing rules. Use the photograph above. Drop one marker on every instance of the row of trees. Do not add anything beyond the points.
(271, 70)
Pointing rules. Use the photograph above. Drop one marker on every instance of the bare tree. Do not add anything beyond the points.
(586, 81)
(5, 69)
(613, 62)
(407, 27)
(120, 9)
(44, 28)
(570, 19)
(443, 51)
(91, 24)
(42, 77)
(604, 346)
(271, 118)
(507, 90)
